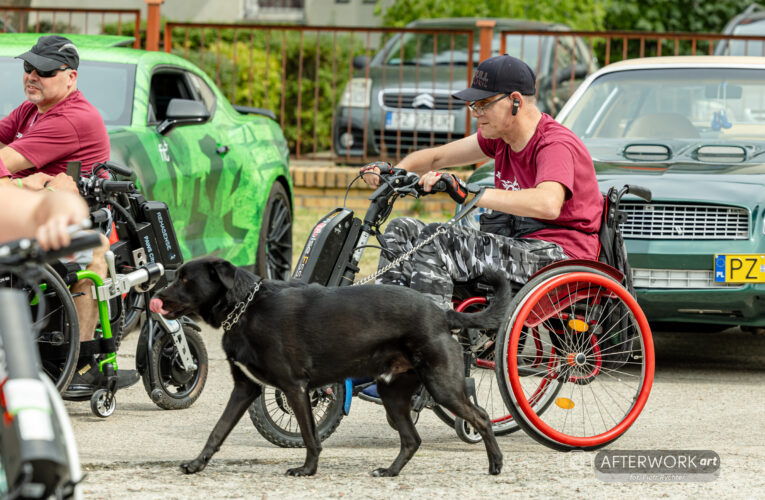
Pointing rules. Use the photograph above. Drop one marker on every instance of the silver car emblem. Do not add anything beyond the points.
(424, 101)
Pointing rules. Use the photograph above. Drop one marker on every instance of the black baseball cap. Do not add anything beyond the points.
(50, 52)
(499, 75)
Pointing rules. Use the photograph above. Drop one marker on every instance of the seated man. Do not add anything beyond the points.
(54, 126)
(542, 170)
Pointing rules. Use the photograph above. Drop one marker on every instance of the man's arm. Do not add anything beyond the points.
(13, 160)
(541, 202)
(465, 151)
(44, 215)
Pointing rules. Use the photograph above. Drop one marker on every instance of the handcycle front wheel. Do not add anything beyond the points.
(273, 418)
(593, 341)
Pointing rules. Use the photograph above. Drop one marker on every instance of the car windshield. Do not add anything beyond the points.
(108, 86)
(418, 49)
(721, 104)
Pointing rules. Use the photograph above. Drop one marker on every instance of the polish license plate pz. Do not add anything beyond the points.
(739, 268)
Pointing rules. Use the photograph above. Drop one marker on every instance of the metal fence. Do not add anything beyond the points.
(358, 94)
(67, 20)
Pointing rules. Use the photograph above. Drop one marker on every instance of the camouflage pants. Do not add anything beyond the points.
(458, 255)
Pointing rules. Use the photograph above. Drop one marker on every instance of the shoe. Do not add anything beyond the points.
(370, 394)
(89, 378)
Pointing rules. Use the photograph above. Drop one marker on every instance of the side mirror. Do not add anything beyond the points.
(580, 71)
(182, 112)
(360, 62)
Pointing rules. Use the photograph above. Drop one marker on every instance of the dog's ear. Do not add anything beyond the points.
(225, 271)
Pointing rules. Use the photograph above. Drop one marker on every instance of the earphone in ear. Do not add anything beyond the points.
(516, 103)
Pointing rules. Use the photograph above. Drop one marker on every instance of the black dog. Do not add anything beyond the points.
(297, 337)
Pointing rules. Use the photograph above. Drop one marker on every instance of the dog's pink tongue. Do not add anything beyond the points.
(156, 306)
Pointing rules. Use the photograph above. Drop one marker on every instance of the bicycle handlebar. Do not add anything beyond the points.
(27, 249)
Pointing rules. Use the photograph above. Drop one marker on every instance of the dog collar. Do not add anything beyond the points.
(239, 309)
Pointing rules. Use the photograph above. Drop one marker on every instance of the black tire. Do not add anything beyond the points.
(178, 389)
(274, 255)
(272, 416)
(58, 327)
(133, 304)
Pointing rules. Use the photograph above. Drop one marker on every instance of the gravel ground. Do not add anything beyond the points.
(707, 395)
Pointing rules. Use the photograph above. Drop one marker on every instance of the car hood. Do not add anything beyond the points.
(740, 185)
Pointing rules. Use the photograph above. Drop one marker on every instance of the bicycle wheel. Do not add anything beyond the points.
(479, 349)
(573, 314)
(178, 388)
(273, 418)
(57, 326)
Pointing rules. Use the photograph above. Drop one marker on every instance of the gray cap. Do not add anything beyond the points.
(50, 52)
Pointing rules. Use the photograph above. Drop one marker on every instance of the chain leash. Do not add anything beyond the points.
(441, 229)
(239, 309)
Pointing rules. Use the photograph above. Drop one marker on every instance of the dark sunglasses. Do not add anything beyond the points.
(28, 68)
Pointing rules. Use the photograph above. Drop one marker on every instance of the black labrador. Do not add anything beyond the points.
(297, 337)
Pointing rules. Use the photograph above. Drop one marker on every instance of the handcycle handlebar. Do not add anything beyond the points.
(27, 249)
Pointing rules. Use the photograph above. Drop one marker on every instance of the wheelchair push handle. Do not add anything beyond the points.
(639, 191)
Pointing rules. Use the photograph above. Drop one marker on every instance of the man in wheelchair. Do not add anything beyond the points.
(546, 205)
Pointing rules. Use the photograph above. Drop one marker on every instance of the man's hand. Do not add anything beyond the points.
(55, 212)
(452, 185)
(63, 182)
(370, 173)
(36, 181)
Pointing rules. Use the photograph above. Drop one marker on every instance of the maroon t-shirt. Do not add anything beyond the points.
(554, 153)
(72, 130)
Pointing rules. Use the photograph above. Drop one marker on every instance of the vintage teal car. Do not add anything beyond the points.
(692, 130)
(223, 172)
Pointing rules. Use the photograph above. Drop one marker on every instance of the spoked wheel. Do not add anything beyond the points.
(591, 342)
(479, 347)
(274, 256)
(57, 325)
(275, 421)
(178, 387)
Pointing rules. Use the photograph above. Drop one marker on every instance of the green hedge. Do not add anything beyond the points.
(256, 79)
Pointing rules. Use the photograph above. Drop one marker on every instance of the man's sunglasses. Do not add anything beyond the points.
(28, 68)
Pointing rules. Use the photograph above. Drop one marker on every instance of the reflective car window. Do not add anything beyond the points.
(721, 103)
(204, 92)
(108, 86)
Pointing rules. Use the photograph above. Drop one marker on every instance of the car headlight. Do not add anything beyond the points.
(356, 93)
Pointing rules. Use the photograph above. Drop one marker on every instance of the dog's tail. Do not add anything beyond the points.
(491, 317)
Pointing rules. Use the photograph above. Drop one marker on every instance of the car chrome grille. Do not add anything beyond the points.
(676, 221)
(677, 278)
(406, 141)
(425, 100)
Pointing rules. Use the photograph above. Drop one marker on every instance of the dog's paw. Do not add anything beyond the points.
(495, 469)
(383, 473)
(301, 471)
(193, 467)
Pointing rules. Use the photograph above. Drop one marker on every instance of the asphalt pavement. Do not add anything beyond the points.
(707, 395)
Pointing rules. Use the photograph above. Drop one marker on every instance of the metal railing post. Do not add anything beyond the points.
(152, 24)
(486, 28)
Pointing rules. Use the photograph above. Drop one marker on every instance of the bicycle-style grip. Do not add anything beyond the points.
(118, 186)
(639, 191)
(453, 186)
(119, 169)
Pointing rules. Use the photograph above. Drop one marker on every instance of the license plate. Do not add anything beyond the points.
(739, 268)
(426, 121)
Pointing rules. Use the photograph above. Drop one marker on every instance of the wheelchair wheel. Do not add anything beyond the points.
(273, 418)
(57, 326)
(578, 330)
(133, 304)
(479, 349)
(178, 388)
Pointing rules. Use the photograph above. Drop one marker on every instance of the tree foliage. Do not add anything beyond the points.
(696, 16)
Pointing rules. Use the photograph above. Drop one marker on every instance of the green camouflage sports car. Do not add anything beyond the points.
(222, 171)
